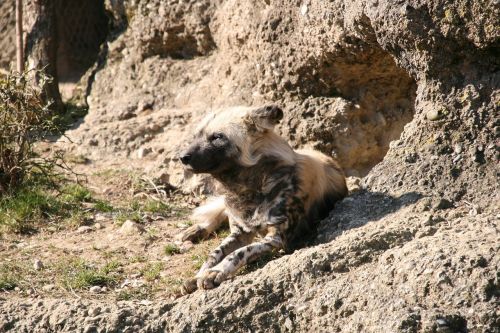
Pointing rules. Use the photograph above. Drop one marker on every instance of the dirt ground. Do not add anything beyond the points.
(148, 260)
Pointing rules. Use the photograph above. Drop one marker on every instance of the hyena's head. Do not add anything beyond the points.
(230, 139)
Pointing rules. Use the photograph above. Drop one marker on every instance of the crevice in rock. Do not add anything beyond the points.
(356, 103)
(179, 43)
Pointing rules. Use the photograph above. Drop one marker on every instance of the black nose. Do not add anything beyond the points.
(185, 159)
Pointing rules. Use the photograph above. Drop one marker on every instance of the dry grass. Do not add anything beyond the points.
(24, 120)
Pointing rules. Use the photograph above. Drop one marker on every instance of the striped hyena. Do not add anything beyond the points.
(268, 189)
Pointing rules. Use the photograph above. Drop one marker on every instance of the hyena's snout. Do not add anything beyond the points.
(188, 156)
(204, 157)
(185, 158)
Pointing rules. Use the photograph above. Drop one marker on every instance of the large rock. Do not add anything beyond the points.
(349, 78)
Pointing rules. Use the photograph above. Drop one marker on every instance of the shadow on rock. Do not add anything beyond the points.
(359, 209)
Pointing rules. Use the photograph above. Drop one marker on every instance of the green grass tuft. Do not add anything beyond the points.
(75, 193)
(21, 210)
(103, 206)
(152, 271)
(143, 292)
(158, 207)
(38, 202)
(77, 218)
(77, 274)
(171, 249)
(124, 215)
(9, 276)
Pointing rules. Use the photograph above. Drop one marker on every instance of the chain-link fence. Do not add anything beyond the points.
(82, 26)
(7, 34)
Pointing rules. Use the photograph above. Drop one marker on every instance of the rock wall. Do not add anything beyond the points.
(199, 56)
(349, 79)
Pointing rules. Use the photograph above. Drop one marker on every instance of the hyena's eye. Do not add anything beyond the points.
(216, 136)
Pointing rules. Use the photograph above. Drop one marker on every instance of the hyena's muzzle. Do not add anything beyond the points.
(209, 153)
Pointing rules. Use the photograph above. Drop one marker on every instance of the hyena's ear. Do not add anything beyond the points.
(266, 117)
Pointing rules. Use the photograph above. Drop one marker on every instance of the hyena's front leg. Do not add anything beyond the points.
(212, 277)
(234, 241)
(209, 218)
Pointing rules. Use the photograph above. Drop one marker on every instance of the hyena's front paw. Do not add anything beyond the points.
(189, 286)
(194, 233)
(210, 279)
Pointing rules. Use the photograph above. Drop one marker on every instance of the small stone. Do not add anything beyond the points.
(441, 322)
(98, 226)
(94, 311)
(129, 227)
(434, 115)
(443, 203)
(153, 128)
(303, 9)
(99, 217)
(353, 184)
(186, 246)
(104, 289)
(474, 210)
(95, 289)
(48, 287)
(423, 182)
(457, 148)
(37, 264)
(84, 229)
(17, 289)
(133, 283)
(142, 152)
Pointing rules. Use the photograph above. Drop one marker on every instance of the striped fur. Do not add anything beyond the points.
(271, 195)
